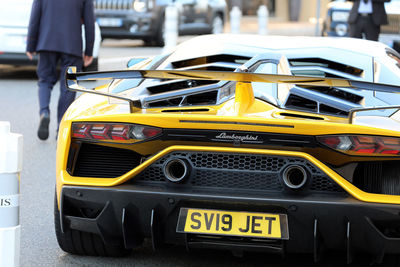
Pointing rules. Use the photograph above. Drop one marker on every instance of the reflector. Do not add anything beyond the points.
(113, 132)
(362, 144)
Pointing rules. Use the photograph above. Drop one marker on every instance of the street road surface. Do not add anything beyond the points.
(19, 105)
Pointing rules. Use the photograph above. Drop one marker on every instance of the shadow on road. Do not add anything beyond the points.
(177, 256)
(18, 72)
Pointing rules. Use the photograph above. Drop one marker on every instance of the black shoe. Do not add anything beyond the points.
(43, 131)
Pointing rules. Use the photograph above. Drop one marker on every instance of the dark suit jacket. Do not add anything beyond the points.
(379, 15)
(56, 25)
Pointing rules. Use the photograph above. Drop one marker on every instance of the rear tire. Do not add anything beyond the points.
(83, 243)
(396, 46)
(159, 38)
(92, 67)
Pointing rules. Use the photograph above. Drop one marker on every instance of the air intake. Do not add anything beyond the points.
(378, 177)
(103, 162)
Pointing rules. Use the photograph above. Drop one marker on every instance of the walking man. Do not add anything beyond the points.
(55, 33)
(366, 17)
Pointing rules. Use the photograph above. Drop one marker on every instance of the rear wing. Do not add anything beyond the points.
(73, 78)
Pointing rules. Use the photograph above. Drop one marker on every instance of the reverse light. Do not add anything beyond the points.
(362, 144)
(114, 132)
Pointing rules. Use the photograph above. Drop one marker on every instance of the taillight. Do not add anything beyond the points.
(117, 132)
(362, 144)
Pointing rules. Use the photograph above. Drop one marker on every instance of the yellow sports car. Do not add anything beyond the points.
(223, 144)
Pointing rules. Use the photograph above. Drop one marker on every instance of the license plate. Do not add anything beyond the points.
(109, 22)
(233, 223)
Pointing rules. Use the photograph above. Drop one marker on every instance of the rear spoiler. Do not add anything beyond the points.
(73, 77)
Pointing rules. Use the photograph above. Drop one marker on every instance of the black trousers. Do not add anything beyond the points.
(365, 25)
(49, 73)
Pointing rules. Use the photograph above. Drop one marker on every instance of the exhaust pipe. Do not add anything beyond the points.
(294, 177)
(176, 169)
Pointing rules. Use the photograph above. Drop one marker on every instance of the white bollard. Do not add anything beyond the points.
(236, 16)
(262, 14)
(170, 27)
(10, 168)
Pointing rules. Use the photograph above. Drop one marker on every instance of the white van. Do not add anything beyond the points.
(14, 20)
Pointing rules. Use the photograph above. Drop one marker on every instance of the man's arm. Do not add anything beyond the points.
(88, 21)
(33, 28)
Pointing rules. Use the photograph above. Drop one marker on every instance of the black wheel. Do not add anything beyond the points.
(82, 243)
(92, 67)
(396, 46)
(159, 38)
(149, 42)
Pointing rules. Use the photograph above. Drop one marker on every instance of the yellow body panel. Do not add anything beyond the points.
(65, 179)
(243, 113)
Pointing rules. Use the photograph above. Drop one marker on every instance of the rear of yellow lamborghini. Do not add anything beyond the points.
(241, 175)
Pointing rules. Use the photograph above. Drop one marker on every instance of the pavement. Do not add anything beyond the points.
(249, 24)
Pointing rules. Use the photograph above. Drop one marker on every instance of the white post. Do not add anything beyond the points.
(317, 17)
(171, 27)
(10, 167)
(236, 16)
(262, 13)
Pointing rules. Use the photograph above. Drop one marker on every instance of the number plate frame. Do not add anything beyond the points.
(181, 226)
(110, 22)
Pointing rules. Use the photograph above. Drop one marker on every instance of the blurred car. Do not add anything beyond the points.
(218, 145)
(14, 20)
(145, 19)
(335, 23)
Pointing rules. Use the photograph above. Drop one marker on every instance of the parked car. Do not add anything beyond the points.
(335, 23)
(14, 20)
(144, 19)
(218, 145)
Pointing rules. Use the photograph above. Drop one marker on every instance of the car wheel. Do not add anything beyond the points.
(82, 243)
(148, 42)
(396, 46)
(92, 67)
(159, 38)
(217, 25)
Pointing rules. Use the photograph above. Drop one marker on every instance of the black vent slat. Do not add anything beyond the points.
(298, 102)
(320, 62)
(378, 177)
(209, 59)
(103, 161)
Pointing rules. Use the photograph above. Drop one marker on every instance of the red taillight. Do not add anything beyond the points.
(362, 144)
(113, 131)
(120, 132)
(80, 131)
(150, 132)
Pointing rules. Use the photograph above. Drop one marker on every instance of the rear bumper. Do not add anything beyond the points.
(17, 59)
(128, 213)
(132, 26)
(124, 33)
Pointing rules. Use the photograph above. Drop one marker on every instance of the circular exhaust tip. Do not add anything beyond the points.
(294, 176)
(176, 170)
